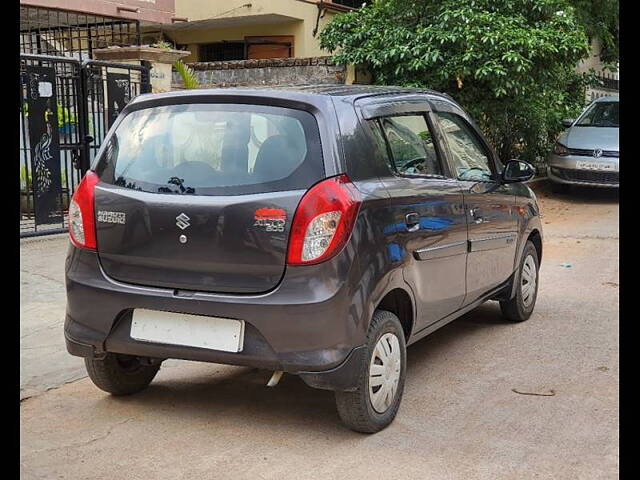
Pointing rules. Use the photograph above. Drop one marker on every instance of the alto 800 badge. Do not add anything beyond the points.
(270, 219)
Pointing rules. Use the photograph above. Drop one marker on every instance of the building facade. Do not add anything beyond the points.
(75, 28)
(610, 80)
(247, 30)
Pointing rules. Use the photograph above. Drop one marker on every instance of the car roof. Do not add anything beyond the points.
(608, 98)
(348, 92)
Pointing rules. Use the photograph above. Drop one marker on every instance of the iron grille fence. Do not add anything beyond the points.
(609, 81)
(65, 98)
(50, 31)
(41, 208)
(66, 109)
(109, 87)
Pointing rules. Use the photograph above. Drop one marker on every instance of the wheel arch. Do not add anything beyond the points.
(536, 238)
(399, 302)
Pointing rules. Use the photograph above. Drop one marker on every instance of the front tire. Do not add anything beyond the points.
(375, 403)
(520, 307)
(120, 374)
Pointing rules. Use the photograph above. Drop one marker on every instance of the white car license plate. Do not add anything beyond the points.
(602, 166)
(214, 333)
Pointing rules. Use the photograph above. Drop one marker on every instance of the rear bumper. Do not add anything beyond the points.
(308, 325)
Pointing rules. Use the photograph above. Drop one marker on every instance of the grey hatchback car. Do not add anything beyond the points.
(316, 231)
(588, 153)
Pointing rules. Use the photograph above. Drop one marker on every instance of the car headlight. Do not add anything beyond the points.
(560, 149)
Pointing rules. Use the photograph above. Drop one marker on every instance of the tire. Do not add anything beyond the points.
(120, 374)
(356, 409)
(560, 187)
(520, 307)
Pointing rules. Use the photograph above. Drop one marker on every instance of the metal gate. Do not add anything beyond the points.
(66, 110)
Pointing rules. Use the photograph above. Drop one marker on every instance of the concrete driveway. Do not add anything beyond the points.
(460, 417)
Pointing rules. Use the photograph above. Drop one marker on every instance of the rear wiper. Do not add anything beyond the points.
(179, 182)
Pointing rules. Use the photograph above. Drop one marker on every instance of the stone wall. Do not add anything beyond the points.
(272, 71)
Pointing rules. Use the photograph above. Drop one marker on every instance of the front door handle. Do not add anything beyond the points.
(412, 220)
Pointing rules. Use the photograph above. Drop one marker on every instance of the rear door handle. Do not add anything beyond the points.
(412, 220)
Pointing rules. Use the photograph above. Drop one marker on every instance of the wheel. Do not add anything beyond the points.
(521, 306)
(560, 187)
(120, 374)
(375, 403)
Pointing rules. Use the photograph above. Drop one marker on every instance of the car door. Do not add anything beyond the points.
(490, 205)
(429, 218)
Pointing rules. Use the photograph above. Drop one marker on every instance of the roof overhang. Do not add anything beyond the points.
(228, 22)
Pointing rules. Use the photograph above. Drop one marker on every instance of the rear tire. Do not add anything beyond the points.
(120, 374)
(560, 187)
(520, 307)
(385, 363)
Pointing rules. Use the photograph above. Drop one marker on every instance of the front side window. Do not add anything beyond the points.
(601, 114)
(411, 144)
(471, 160)
(207, 149)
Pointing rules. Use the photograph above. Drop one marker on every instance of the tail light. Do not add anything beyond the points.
(323, 221)
(82, 224)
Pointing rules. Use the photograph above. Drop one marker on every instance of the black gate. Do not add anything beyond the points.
(66, 110)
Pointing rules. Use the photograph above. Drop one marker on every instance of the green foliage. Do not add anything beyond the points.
(162, 44)
(189, 78)
(25, 179)
(65, 116)
(509, 63)
(63, 113)
(601, 19)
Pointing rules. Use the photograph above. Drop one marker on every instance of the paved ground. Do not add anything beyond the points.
(44, 362)
(459, 418)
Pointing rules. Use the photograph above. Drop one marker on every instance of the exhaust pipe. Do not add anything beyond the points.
(275, 378)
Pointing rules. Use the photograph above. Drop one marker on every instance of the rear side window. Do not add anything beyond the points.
(214, 149)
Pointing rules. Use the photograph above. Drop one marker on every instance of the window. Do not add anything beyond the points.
(213, 149)
(274, 46)
(221, 51)
(601, 114)
(411, 145)
(349, 3)
(471, 161)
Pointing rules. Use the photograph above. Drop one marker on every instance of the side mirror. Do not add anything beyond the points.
(567, 122)
(517, 171)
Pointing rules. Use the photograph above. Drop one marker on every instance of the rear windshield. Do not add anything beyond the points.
(213, 149)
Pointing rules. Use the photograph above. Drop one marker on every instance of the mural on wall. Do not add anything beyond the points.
(45, 143)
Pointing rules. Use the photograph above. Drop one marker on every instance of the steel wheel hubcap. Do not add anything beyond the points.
(528, 280)
(384, 372)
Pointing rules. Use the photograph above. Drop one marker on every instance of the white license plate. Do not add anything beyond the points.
(602, 166)
(214, 333)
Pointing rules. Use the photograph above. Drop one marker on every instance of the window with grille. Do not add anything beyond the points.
(221, 51)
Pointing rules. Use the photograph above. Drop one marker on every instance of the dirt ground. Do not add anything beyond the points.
(460, 417)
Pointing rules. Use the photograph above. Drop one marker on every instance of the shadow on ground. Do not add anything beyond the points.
(208, 392)
(578, 195)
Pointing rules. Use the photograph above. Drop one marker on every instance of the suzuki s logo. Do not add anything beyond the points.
(182, 221)
(597, 153)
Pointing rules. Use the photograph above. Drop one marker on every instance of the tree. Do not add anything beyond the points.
(601, 19)
(510, 63)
